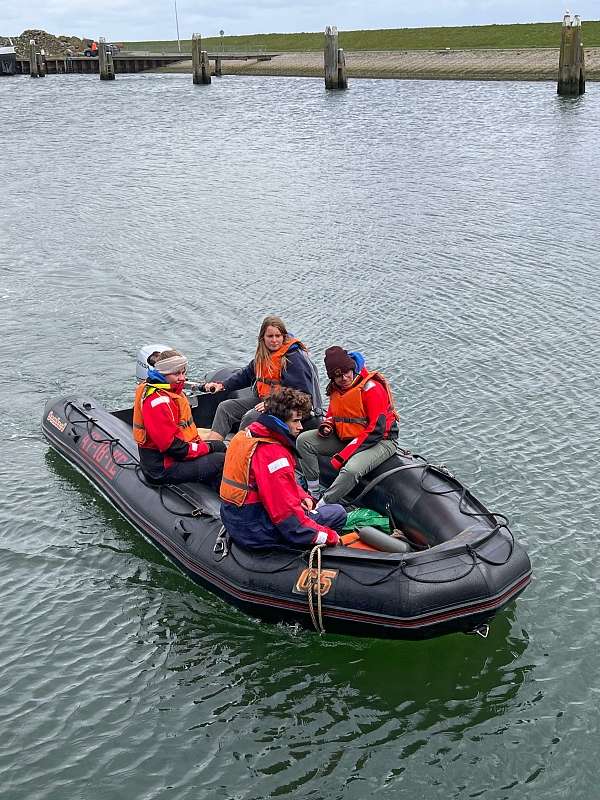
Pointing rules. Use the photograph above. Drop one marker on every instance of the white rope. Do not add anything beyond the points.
(317, 619)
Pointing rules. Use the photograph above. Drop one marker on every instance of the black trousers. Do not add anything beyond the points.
(205, 469)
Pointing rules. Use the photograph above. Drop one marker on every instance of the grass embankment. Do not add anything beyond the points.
(538, 34)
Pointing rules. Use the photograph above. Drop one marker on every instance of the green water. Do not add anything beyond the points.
(450, 233)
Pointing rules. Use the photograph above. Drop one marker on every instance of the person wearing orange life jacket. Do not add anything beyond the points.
(360, 429)
(170, 448)
(263, 505)
(280, 360)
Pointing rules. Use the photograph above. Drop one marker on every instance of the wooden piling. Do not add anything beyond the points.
(205, 63)
(106, 66)
(34, 64)
(218, 68)
(200, 64)
(571, 65)
(42, 63)
(341, 65)
(335, 62)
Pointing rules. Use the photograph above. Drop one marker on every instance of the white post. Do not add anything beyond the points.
(177, 25)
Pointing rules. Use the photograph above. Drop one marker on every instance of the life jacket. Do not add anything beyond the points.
(348, 411)
(235, 483)
(268, 379)
(187, 427)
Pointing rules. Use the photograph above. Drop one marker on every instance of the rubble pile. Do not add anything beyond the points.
(52, 45)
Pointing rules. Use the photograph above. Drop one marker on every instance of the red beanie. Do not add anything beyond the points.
(338, 361)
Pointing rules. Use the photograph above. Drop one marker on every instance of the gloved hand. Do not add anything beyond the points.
(325, 429)
(216, 446)
(337, 461)
(213, 386)
(197, 449)
(194, 386)
(332, 539)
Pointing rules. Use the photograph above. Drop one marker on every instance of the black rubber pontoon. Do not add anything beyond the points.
(464, 565)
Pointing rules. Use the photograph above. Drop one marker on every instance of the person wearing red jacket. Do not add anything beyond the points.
(263, 506)
(360, 429)
(170, 448)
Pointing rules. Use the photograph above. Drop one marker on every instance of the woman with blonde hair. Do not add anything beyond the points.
(280, 360)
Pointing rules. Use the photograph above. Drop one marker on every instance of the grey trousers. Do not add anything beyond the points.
(230, 412)
(310, 446)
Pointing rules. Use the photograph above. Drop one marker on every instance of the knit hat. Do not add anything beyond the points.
(171, 364)
(337, 361)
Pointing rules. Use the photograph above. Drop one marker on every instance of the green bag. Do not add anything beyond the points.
(361, 517)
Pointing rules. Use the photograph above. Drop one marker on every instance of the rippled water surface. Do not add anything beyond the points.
(450, 231)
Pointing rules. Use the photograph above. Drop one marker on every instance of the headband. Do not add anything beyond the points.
(171, 365)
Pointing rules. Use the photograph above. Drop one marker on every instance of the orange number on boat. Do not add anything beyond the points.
(327, 578)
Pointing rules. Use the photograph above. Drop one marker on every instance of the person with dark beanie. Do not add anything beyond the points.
(263, 506)
(360, 428)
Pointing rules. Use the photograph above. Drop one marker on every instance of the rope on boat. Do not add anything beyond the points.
(443, 469)
(470, 552)
(198, 510)
(372, 483)
(291, 564)
(112, 441)
(498, 520)
(501, 520)
(317, 619)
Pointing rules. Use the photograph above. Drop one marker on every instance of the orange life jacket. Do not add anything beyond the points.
(348, 411)
(187, 427)
(235, 484)
(268, 375)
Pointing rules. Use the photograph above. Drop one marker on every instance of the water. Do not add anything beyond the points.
(449, 230)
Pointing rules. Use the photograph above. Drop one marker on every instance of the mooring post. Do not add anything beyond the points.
(218, 68)
(198, 68)
(42, 63)
(341, 65)
(34, 64)
(205, 64)
(335, 62)
(106, 67)
(571, 64)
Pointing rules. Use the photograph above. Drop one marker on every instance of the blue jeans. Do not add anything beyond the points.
(331, 515)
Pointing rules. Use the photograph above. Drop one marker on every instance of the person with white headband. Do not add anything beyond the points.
(170, 447)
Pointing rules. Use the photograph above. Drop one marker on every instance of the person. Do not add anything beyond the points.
(280, 360)
(262, 505)
(170, 447)
(360, 428)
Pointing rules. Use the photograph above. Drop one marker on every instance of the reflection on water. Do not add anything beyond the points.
(349, 696)
(447, 231)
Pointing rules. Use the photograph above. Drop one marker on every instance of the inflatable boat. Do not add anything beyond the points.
(450, 565)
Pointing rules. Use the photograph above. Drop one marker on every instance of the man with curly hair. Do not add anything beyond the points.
(263, 506)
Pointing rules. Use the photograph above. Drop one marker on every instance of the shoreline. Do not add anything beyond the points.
(527, 64)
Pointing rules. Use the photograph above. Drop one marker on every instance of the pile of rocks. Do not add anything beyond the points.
(52, 45)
